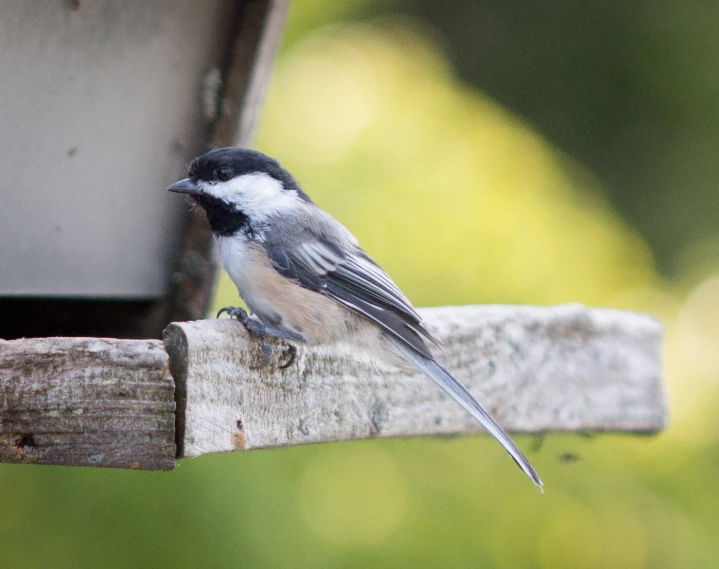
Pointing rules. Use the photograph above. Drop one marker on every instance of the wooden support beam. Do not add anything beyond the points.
(99, 402)
(255, 42)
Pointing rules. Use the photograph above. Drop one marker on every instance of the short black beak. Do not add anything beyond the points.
(186, 186)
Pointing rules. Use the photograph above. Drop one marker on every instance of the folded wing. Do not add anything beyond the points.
(354, 280)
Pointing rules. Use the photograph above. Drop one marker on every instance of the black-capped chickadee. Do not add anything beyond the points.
(304, 276)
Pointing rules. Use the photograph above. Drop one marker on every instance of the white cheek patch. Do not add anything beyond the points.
(257, 195)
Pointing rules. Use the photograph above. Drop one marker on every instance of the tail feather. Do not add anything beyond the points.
(462, 396)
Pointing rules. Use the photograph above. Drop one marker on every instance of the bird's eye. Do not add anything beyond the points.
(224, 174)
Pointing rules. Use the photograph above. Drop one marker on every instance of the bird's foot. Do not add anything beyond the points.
(261, 332)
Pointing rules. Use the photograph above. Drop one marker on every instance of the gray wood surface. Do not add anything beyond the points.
(564, 368)
(105, 95)
(107, 402)
(87, 402)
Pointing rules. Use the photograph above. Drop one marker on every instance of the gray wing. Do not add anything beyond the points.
(349, 276)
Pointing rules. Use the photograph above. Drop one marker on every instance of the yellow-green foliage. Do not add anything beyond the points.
(456, 198)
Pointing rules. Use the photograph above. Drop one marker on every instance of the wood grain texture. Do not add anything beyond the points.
(564, 368)
(254, 44)
(87, 402)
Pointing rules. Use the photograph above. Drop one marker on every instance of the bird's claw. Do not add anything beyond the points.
(234, 312)
(259, 331)
(292, 351)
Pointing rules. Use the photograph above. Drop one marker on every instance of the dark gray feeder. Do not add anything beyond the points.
(102, 106)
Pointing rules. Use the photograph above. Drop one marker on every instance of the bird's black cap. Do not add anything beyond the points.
(240, 161)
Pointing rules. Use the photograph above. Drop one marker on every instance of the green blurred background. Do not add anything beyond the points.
(482, 152)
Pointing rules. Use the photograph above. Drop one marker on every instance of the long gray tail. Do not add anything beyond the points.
(460, 394)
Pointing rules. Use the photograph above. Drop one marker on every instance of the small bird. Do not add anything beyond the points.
(304, 277)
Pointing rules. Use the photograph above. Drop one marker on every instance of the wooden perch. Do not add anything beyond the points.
(83, 401)
(87, 402)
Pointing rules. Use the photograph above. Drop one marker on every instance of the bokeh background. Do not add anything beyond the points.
(482, 152)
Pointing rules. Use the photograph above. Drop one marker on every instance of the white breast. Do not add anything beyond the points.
(239, 259)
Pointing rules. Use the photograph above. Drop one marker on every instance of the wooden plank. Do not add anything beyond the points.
(87, 402)
(269, 15)
(564, 368)
(107, 402)
(255, 41)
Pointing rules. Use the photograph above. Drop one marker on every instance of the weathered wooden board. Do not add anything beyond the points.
(87, 402)
(564, 368)
(107, 402)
